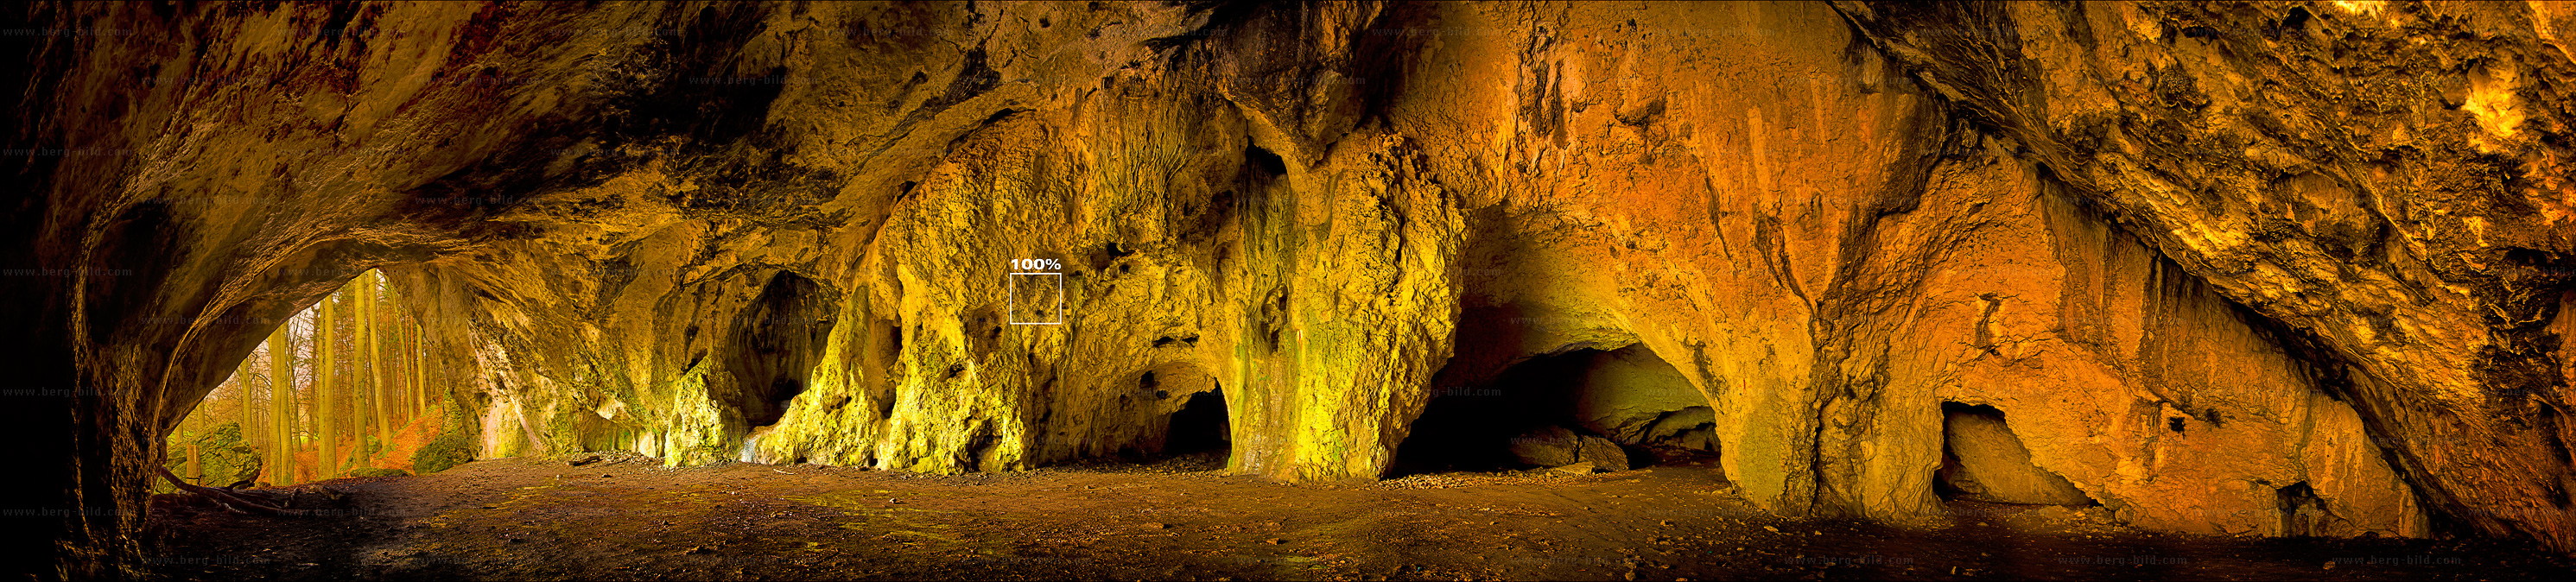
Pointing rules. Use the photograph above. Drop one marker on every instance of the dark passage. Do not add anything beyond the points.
(1200, 426)
(776, 343)
(1614, 409)
(1470, 428)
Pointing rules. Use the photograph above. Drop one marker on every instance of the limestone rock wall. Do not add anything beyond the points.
(2383, 179)
(2210, 262)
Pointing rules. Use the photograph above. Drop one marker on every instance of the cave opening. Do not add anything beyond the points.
(341, 388)
(777, 341)
(1580, 411)
(1982, 460)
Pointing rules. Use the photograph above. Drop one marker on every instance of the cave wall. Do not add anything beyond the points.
(2337, 270)
(2384, 180)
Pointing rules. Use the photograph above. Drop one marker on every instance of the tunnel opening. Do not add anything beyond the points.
(778, 339)
(1580, 411)
(1982, 460)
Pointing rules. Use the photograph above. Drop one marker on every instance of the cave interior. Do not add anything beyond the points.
(1377, 290)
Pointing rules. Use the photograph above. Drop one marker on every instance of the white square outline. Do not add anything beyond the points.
(1014, 313)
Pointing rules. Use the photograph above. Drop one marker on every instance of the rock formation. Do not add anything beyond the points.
(2209, 261)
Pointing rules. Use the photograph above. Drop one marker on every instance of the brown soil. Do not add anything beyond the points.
(626, 517)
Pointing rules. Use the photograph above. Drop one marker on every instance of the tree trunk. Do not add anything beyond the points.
(376, 393)
(361, 411)
(239, 390)
(281, 408)
(412, 400)
(326, 410)
(421, 369)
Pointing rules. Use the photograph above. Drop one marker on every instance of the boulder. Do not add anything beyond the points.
(1557, 446)
(1547, 446)
(1692, 427)
(223, 458)
(1602, 453)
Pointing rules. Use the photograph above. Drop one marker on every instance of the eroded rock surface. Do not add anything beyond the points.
(2229, 269)
(1983, 461)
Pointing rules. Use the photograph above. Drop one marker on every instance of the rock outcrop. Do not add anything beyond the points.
(222, 459)
(2275, 269)
(1556, 446)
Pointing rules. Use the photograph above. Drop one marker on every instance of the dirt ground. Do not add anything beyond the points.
(628, 518)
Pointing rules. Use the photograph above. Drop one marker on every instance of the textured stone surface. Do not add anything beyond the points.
(1984, 461)
(1556, 446)
(1549, 446)
(2385, 181)
(223, 459)
(2206, 258)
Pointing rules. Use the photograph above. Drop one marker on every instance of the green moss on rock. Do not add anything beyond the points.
(454, 445)
(223, 456)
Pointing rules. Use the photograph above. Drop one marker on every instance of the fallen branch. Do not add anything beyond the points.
(226, 499)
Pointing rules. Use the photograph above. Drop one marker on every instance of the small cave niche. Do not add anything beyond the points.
(1982, 460)
(2303, 513)
(1174, 415)
(1613, 410)
(777, 340)
(1186, 413)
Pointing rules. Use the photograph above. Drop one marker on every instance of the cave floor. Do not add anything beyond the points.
(627, 517)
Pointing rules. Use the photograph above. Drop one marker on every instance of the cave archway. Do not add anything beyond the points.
(343, 387)
(777, 340)
(1624, 407)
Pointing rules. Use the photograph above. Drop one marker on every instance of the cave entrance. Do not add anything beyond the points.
(1584, 409)
(341, 388)
(777, 340)
(1983, 461)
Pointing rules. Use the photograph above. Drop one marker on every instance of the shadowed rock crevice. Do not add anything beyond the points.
(1610, 410)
